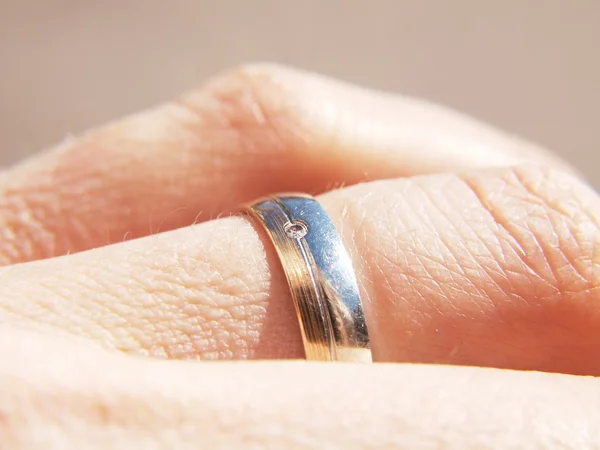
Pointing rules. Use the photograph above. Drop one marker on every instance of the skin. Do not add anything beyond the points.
(486, 258)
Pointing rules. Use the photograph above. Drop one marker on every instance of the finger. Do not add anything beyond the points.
(134, 403)
(252, 131)
(497, 268)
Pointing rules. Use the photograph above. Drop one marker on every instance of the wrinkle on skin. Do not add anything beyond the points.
(248, 132)
(430, 308)
(443, 282)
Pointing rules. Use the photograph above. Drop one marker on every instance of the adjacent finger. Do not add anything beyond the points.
(249, 132)
(497, 268)
(71, 398)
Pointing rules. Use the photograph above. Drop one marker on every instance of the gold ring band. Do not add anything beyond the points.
(320, 275)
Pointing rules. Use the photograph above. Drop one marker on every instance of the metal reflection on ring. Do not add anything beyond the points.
(320, 275)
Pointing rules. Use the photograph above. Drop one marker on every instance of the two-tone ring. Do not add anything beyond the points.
(320, 276)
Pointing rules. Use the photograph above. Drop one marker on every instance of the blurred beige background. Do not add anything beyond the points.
(531, 67)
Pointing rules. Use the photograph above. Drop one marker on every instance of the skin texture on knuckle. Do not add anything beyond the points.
(143, 171)
(254, 109)
(553, 219)
(497, 268)
(250, 131)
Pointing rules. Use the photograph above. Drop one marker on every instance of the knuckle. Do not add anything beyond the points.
(536, 221)
(549, 219)
(443, 255)
(251, 106)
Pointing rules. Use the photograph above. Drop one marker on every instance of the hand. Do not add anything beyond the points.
(492, 263)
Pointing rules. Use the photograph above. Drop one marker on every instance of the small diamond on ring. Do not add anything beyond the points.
(296, 230)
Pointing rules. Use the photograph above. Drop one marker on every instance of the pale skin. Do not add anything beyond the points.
(475, 251)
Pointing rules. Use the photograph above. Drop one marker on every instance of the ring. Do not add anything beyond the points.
(320, 275)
